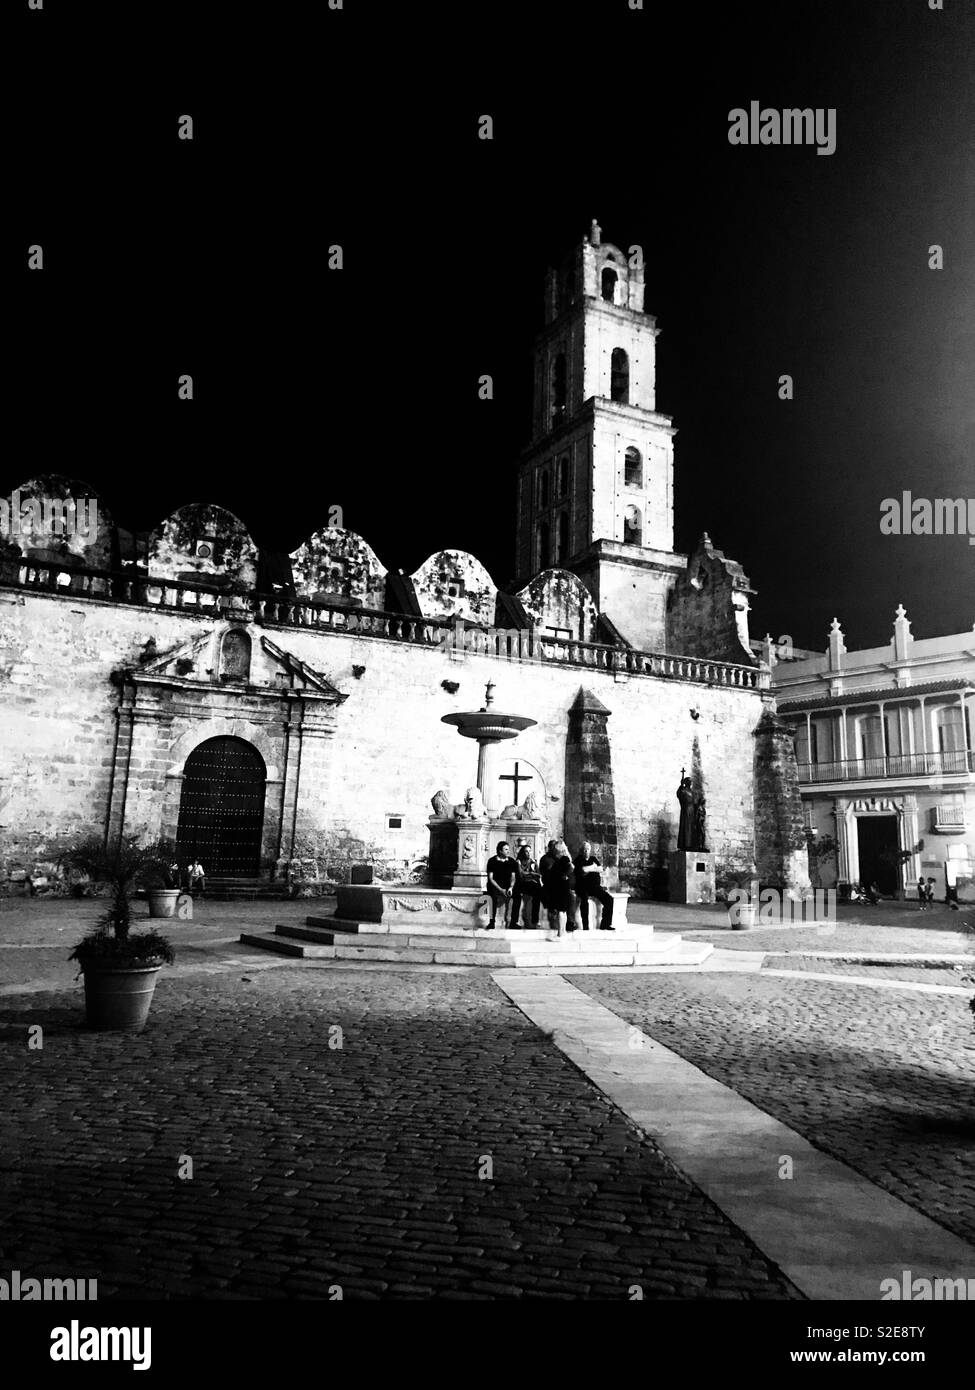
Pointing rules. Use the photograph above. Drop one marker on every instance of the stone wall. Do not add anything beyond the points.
(380, 753)
(707, 611)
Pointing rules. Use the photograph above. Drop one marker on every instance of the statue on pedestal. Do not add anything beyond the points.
(474, 804)
(685, 830)
(692, 830)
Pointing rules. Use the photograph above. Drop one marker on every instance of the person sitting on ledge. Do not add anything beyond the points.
(501, 872)
(588, 885)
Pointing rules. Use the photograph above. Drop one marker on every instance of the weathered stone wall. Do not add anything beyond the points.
(781, 855)
(707, 611)
(337, 563)
(559, 599)
(454, 584)
(206, 544)
(386, 751)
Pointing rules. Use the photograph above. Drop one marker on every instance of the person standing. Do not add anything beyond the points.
(589, 885)
(501, 871)
(528, 885)
(556, 871)
(922, 895)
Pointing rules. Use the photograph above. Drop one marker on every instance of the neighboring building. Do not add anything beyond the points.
(262, 707)
(884, 746)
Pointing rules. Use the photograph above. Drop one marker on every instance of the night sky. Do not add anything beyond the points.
(359, 388)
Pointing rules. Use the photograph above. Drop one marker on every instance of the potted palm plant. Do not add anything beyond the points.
(119, 966)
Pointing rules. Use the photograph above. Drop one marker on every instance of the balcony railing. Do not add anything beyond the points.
(896, 765)
(200, 598)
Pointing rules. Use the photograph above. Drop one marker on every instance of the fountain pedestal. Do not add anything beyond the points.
(461, 847)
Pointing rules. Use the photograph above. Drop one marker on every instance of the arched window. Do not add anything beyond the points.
(562, 552)
(558, 388)
(609, 284)
(543, 490)
(563, 477)
(619, 388)
(544, 546)
(235, 655)
(632, 526)
(634, 468)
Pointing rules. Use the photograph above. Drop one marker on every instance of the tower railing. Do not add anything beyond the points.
(224, 603)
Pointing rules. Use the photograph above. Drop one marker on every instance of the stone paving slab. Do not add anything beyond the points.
(882, 1079)
(446, 1150)
(834, 1234)
(945, 975)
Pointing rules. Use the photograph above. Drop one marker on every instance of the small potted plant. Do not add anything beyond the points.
(737, 888)
(119, 966)
(161, 878)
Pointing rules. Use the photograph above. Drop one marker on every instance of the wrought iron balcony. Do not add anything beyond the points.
(895, 765)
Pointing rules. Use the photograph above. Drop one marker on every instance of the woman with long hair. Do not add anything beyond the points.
(557, 876)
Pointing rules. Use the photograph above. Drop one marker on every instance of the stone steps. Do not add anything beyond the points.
(325, 938)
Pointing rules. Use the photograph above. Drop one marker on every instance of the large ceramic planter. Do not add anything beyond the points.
(162, 902)
(742, 916)
(117, 997)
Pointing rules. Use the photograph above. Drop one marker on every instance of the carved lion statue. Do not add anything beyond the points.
(441, 804)
(474, 802)
(533, 807)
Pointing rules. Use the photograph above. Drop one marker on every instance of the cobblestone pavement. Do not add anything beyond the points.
(917, 974)
(363, 1166)
(881, 1079)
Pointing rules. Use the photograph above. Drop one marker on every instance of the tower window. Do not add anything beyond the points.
(632, 526)
(563, 477)
(633, 476)
(563, 538)
(543, 490)
(559, 388)
(544, 545)
(609, 278)
(619, 387)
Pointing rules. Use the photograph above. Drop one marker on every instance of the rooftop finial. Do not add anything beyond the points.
(595, 232)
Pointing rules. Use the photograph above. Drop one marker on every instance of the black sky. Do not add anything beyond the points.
(359, 388)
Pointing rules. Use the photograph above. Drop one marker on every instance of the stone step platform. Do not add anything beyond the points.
(341, 939)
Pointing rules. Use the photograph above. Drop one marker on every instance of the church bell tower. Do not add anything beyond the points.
(595, 486)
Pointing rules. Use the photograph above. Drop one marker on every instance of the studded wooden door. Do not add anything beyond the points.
(221, 810)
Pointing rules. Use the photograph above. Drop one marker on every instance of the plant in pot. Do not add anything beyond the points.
(735, 887)
(160, 877)
(119, 966)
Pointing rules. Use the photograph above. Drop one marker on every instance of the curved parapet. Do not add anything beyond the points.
(557, 599)
(338, 564)
(205, 544)
(60, 521)
(454, 584)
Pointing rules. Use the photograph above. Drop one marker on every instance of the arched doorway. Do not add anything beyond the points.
(221, 809)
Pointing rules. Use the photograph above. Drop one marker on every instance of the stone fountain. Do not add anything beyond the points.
(463, 837)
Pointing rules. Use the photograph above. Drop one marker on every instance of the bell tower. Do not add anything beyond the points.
(595, 486)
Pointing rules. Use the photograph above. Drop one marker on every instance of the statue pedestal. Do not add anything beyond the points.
(460, 848)
(692, 876)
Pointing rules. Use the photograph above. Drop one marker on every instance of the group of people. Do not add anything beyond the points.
(516, 881)
(196, 879)
(926, 888)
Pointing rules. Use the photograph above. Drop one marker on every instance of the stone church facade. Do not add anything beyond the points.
(263, 709)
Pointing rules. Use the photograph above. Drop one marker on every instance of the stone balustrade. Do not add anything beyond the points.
(198, 597)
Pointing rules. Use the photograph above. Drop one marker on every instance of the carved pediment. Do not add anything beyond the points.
(231, 655)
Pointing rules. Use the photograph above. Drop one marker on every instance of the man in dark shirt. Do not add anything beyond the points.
(588, 886)
(501, 871)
